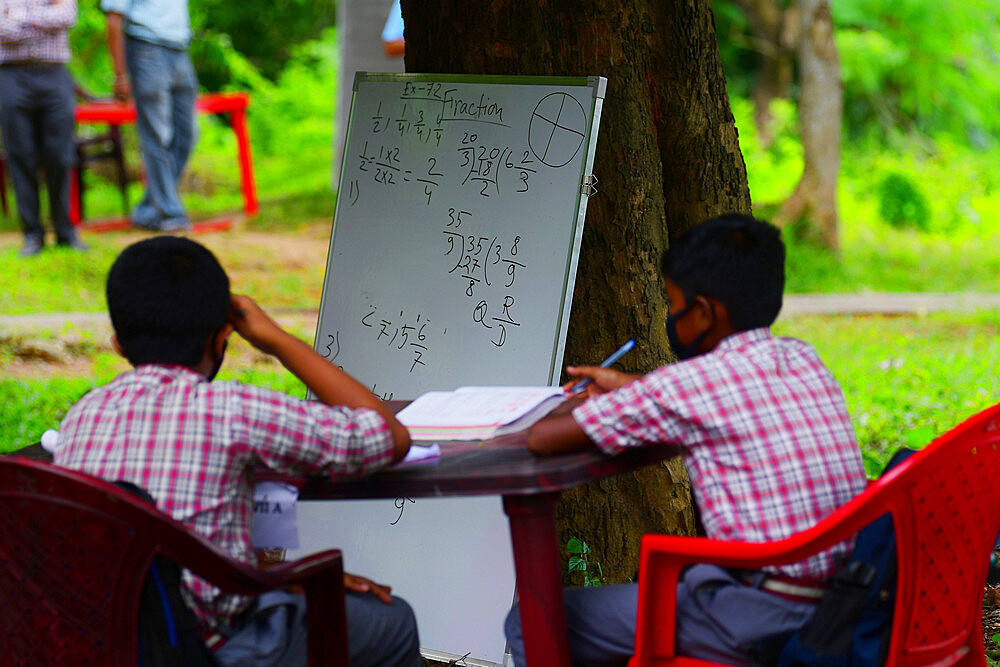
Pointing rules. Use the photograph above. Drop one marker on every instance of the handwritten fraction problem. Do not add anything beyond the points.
(456, 229)
(422, 115)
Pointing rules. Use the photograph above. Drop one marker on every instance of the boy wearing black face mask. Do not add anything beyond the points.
(194, 444)
(766, 438)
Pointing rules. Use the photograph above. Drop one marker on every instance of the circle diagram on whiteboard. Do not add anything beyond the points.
(557, 129)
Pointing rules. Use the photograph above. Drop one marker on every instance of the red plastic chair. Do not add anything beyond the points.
(945, 504)
(74, 551)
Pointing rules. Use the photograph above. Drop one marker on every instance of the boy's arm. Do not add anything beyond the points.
(558, 433)
(330, 384)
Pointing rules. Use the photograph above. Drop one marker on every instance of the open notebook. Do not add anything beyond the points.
(478, 413)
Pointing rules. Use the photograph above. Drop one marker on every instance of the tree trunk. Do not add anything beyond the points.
(667, 158)
(820, 110)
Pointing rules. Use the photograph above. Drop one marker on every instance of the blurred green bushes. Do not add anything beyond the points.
(921, 214)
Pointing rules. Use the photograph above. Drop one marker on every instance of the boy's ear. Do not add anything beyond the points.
(706, 311)
(116, 345)
(220, 338)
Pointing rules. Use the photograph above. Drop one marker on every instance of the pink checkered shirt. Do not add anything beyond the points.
(767, 440)
(193, 445)
(36, 30)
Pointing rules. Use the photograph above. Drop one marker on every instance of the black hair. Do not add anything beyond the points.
(166, 296)
(736, 259)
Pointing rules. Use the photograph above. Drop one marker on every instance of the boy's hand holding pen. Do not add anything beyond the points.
(599, 379)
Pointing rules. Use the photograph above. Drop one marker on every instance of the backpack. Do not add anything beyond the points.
(168, 631)
(853, 620)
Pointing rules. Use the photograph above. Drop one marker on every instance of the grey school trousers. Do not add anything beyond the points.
(274, 633)
(718, 619)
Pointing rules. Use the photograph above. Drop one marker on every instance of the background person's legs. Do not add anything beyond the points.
(17, 122)
(183, 94)
(57, 129)
(150, 70)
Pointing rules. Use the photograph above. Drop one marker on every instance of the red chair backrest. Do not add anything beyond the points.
(71, 568)
(945, 502)
(74, 553)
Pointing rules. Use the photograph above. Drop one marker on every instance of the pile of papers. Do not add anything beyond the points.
(478, 413)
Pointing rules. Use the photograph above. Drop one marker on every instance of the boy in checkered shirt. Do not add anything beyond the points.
(194, 444)
(765, 435)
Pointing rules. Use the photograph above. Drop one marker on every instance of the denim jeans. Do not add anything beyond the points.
(164, 86)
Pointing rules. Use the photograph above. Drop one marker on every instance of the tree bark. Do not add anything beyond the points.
(667, 158)
(820, 112)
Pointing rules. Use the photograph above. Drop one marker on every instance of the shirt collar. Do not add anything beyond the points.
(743, 338)
(167, 373)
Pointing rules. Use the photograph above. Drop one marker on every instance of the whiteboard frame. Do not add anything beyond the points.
(598, 85)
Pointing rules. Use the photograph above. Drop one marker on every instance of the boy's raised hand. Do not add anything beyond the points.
(252, 323)
(602, 379)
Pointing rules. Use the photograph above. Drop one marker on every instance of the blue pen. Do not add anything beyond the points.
(615, 356)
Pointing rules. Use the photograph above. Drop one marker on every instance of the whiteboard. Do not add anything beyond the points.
(452, 259)
(457, 230)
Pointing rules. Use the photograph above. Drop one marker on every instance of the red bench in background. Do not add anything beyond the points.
(115, 114)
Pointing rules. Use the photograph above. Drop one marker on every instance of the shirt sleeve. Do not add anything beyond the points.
(115, 6)
(294, 436)
(393, 29)
(13, 27)
(647, 411)
(58, 15)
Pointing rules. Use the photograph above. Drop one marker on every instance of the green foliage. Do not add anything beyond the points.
(949, 210)
(901, 202)
(579, 561)
(928, 66)
(907, 66)
(265, 32)
(773, 170)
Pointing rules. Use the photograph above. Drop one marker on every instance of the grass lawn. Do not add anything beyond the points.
(906, 379)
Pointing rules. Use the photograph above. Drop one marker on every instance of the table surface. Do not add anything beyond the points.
(500, 466)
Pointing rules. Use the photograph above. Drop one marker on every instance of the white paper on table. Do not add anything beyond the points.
(422, 453)
(274, 523)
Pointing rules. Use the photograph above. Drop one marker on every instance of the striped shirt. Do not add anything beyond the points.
(765, 434)
(36, 30)
(194, 445)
